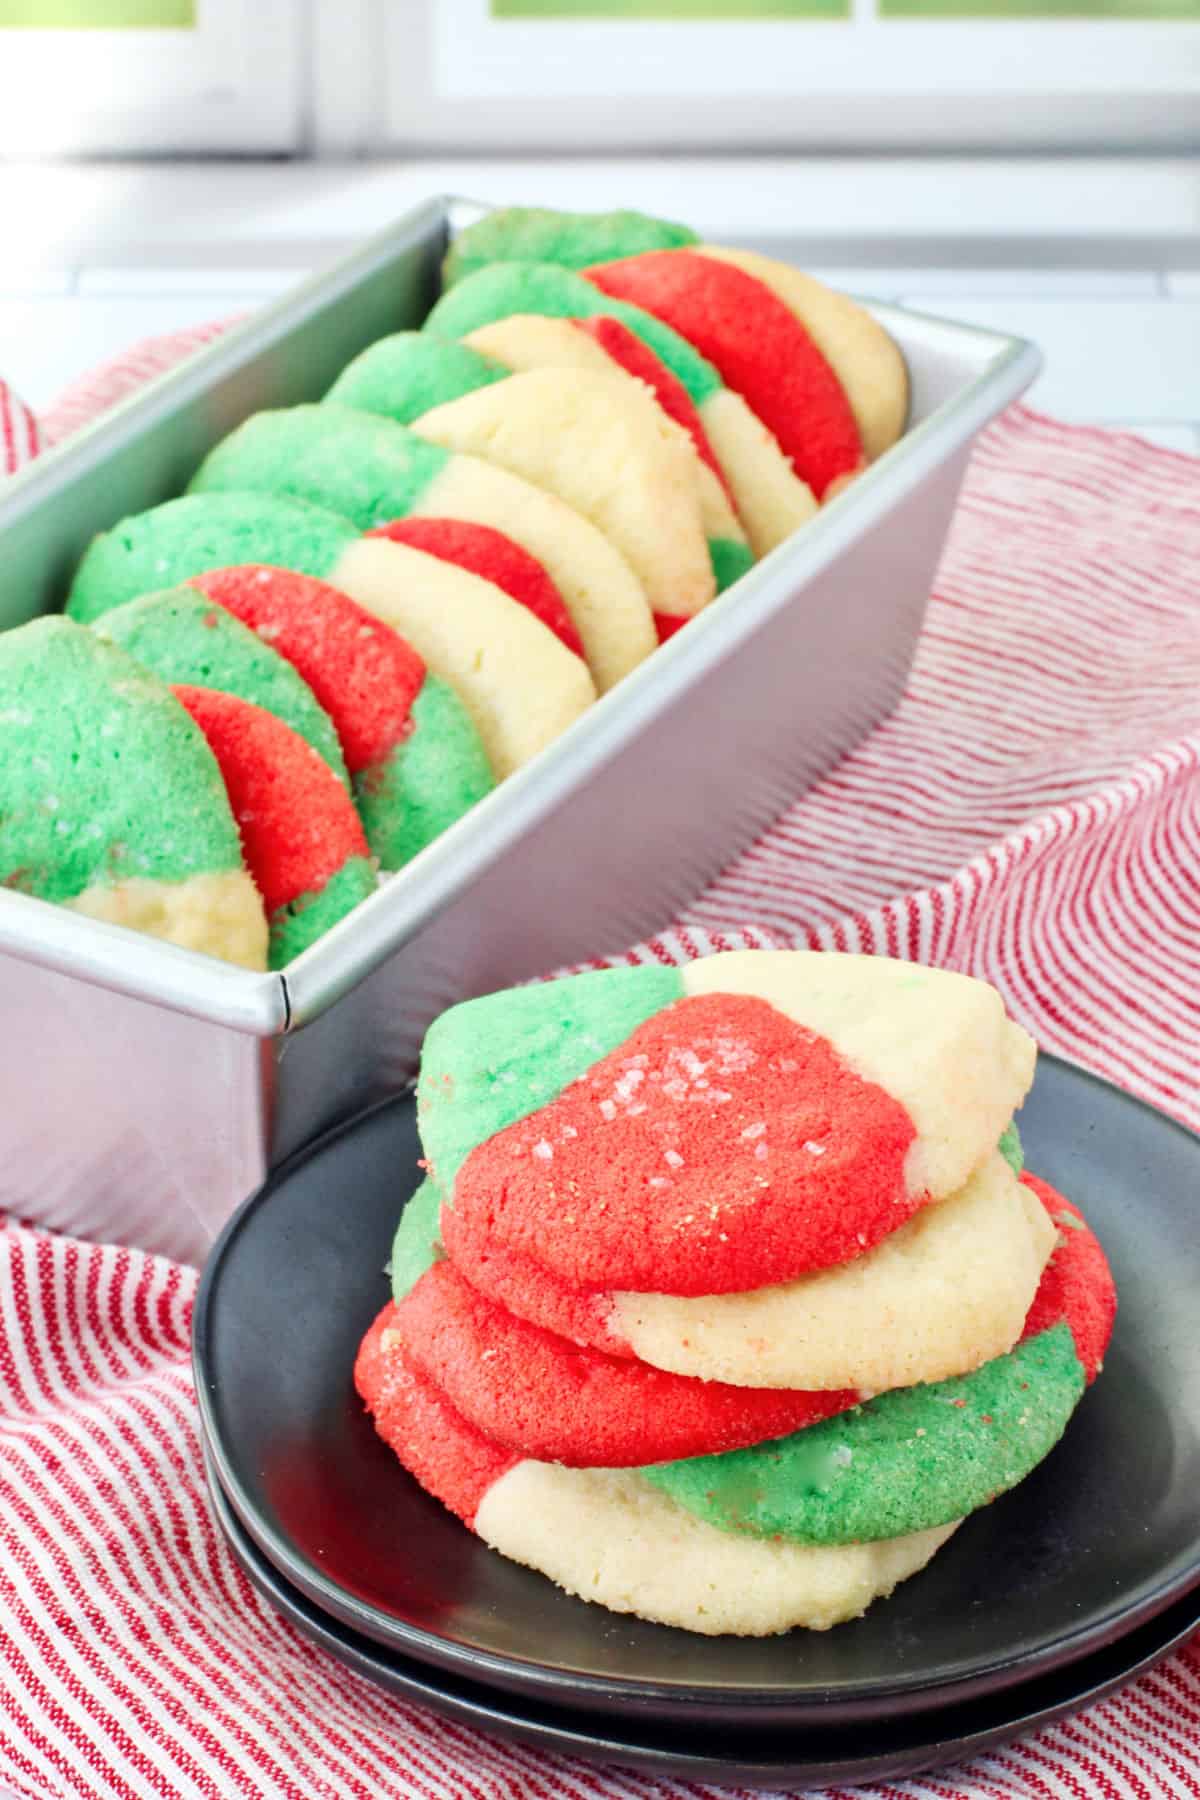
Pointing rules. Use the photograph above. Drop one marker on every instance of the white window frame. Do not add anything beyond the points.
(457, 79)
(234, 83)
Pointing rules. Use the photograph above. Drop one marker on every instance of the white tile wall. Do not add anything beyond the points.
(1106, 360)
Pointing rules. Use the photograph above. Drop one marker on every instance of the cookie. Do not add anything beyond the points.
(765, 1118)
(408, 376)
(953, 1284)
(415, 760)
(185, 638)
(770, 499)
(301, 837)
(169, 543)
(539, 234)
(609, 1536)
(606, 450)
(520, 685)
(482, 551)
(1077, 1284)
(867, 362)
(372, 471)
(918, 1457)
(758, 345)
(527, 341)
(548, 1398)
(409, 373)
(112, 802)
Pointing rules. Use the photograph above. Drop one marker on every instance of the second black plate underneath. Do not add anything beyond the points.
(799, 1757)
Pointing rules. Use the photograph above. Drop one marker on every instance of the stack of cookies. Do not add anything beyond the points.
(726, 1299)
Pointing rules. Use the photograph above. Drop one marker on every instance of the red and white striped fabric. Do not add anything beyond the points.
(1031, 813)
(20, 435)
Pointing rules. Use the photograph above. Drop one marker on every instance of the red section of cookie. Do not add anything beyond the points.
(364, 674)
(636, 357)
(759, 347)
(298, 824)
(1076, 1284)
(525, 1288)
(667, 624)
(550, 1399)
(489, 553)
(721, 1148)
(448, 1456)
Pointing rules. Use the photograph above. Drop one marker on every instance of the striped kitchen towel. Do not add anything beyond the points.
(1030, 813)
(20, 435)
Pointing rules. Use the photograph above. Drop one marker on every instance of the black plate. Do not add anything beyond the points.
(802, 1756)
(1102, 1536)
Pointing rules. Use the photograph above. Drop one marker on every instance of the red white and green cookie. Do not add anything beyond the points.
(527, 341)
(372, 471)
(563, 1402)
(519, 681)
(113, 804)
(582, 427)
(416, 762)
(816, 368)
(662, 1162)
(803, 1529)
(302, 840)
(922, 1456)
(770, 499)
(187, 638)
(954, 1283)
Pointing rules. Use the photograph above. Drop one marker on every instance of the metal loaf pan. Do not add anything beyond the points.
(146, 1090)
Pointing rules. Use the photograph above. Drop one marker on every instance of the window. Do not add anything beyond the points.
(148, 75)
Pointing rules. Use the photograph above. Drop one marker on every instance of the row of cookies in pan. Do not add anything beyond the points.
(725, 1298)
(573, 422)
(694, 407)
(532, 508)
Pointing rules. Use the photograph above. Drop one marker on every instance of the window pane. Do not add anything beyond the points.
(670, 9)
(90, 15)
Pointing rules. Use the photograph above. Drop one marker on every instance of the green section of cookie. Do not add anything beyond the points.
(730, 561)
(164, 546)
(1010, 1148)
(574, 239)
(369, 470)
(301, 922)
(489, 1062)
(185, 637)
(103, 777)
(428, 781)
(411, 372)
(906, 1461)
(504, 288)
(416, 1245)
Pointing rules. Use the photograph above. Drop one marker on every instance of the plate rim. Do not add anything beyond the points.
(908, 1690)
